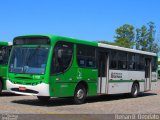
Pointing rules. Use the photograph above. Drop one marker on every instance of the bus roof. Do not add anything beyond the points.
(54, 38)
(125, 49)
(4, 43)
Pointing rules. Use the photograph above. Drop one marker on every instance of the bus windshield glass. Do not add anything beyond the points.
(30, 60)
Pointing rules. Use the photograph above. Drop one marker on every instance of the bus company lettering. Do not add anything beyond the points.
(116, 75)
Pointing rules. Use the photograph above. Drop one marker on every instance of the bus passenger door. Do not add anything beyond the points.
(148, 71)
(103, 61)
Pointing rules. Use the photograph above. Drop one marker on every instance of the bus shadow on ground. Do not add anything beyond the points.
(68, 101)
(8, 94)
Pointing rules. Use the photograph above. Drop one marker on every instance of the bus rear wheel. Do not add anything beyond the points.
(43, 98)
(80, 94)
(1, 86)
(135, 90)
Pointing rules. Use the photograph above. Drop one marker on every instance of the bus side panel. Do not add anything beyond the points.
(3, 74)
(64, 89)
(154, 81)
(4, 85)
(90, 76)
(141, 85)
(121, 81)
(92, 89)
(64, 85)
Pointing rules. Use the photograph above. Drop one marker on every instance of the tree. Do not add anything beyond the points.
(145, 38)
(141, 39)
(125, 36)
(138, 38)
(151, 36)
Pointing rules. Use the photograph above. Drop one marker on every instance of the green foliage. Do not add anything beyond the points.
(140, 38)
(145, 38)
(125, 36)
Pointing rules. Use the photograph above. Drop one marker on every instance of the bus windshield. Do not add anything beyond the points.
(31, 60)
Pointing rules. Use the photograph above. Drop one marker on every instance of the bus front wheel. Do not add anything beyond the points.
(135, 90)
(80, 94)
(1, 86)
(43, 98)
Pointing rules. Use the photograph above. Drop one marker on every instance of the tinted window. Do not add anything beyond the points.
(62, 57)
(131, 61)
(122, 60)
(147, 66)
(140, 62)
(102, 61)
(4, 54)
(154, 64)
(86, 56)
(113, 59)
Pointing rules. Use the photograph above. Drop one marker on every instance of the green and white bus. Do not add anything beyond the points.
(54, 66)
(5, 48)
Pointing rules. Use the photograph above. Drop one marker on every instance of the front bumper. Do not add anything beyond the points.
(36, 90)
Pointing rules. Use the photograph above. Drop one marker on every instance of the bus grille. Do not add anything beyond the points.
(26, 91)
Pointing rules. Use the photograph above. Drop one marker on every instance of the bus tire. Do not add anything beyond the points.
(80, 94)
(1, 87)
(135, 90)
(43, 99)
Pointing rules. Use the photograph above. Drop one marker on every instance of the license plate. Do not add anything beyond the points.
(22, 88)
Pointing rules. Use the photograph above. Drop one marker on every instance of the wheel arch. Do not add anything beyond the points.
(136, 81)
(84, 83)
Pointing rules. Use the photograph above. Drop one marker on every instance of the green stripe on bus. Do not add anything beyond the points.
(154, 81)
(111, 81)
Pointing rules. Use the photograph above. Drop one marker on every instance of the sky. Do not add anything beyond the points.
(83, 19)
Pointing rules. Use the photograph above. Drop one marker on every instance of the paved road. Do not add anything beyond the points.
(146, 103)
(113, 104)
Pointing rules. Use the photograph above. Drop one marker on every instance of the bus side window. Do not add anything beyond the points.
(86, 56)
(140, 62)
(62, 57)
(154, 64)
(113, 59)
(3, 55)
(122, 60)
(81, 53)
(131, 61)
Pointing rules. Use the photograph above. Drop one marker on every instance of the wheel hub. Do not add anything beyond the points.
(135, 90)
(80, 94)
